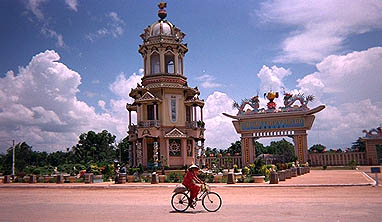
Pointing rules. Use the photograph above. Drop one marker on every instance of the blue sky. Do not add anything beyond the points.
(327, 48)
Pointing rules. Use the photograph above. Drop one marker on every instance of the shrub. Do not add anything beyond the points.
(353, 164)
(248, 180)
(174, 177)
(324, 167)
(132, 171)
(235, 168)
(245, 171)
(36, 171)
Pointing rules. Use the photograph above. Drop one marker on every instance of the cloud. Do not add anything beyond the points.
(320, 27)
(208, 81)
(122, 86)
(346, 78)
(271, 78)
(90, 94)
(220, 132)
(349, 85)
(39, 105)
(34, 7)
(102, 104)
(72, 4)
(53, 34)
(114, 28)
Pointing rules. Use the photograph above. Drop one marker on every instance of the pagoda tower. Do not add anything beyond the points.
(169, 130)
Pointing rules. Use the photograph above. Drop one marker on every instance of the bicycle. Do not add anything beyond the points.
(181, 201)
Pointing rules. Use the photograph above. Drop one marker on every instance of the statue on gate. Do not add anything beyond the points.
(290, 99)
(254, 102)
(271, 96)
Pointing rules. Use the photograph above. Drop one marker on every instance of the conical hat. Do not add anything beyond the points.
(193, 166)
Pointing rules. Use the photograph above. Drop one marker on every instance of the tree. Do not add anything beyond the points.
(95, 147)
(259, 148)
(23, 154)
(282, 150)
(123, 150)
(317, 148)
(234, 148)
(358, 146)
(56, 158)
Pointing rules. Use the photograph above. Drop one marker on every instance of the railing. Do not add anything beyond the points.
(149, 123)
(191, 124)
(194, 124)
(224, 161)
(336, 159)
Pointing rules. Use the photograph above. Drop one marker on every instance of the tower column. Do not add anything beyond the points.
(195, 114)
(184, 150)
(201, 113)
(167, 154)
(129, 117)
(162, 60)
(155, 111)
(176, 63)
(144, 148)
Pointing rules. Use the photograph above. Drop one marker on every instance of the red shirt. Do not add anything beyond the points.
(189, 178)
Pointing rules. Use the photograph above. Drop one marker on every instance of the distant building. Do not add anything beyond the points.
(170, 127)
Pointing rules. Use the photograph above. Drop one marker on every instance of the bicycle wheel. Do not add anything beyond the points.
(212, 202)
(180, 202)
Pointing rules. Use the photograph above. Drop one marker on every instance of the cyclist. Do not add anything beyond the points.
(190, 179)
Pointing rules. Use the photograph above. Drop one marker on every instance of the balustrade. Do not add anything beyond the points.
(149, 123)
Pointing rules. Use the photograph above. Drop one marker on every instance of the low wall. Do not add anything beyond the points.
(336, 159)
(224, 161)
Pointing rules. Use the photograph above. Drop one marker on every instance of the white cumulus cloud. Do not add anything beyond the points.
(220, 132)
(320, 27)
(38, 104)
(350, 86)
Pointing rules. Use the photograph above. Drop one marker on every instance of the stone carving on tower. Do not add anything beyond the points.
(169, 112)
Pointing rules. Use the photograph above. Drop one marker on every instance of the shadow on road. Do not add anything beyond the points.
(188, 212)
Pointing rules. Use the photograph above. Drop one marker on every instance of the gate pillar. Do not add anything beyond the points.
(247, 149)
(300, 140)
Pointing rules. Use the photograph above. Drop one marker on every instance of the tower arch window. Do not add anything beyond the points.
(155, 63)
(145, 65)
(169, 63)
(180, 65)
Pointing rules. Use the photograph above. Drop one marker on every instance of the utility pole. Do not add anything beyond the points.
(13, 158)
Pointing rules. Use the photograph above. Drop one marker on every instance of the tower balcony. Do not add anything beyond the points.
(149, 123)
(195, 124)
(132, 128)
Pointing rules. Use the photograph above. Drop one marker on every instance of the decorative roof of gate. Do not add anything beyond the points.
(175, 133)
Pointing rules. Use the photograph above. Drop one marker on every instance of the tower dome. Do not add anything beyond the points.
(161, 27)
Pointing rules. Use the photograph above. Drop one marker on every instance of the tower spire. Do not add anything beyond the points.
(162, 13)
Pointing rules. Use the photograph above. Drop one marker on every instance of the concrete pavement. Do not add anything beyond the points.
(316, 178)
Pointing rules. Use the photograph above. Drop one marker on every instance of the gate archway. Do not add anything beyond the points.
(288, 121)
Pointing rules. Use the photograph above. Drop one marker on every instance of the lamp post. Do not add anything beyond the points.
(13, 158)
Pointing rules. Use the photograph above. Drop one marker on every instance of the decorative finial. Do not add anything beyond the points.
(162, 11)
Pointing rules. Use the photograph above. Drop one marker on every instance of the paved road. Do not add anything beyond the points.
(148, 204)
